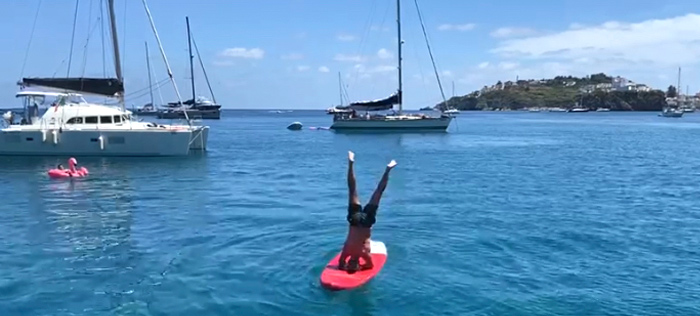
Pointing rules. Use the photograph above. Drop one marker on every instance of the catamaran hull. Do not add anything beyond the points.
(199, 139)
(406, 125)
(98, 143)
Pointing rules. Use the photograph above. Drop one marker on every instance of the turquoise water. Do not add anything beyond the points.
(508, 214)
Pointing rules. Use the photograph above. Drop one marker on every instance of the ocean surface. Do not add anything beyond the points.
(506, 214)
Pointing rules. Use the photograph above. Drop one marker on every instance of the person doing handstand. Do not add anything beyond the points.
(357, 243)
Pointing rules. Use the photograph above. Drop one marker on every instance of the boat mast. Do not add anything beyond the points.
(340, 89)
(189, 43)
(148, 65)
(165, 58)
(115, 46)
(678, 87)
(398, 24)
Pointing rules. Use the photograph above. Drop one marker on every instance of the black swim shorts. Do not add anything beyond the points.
(357, 216)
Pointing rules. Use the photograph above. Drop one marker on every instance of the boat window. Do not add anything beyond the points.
(75, 120)
(116, 140)
(91, 120)
(117, 119)
(105, 120)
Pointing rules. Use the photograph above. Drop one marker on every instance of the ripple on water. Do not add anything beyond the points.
(591, 216)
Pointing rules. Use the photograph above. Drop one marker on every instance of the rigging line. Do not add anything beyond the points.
(427, 43)
(87, 41)
(58, 68)
(160, 95)
(213, 98)
(31, 36)
(165, 59)
(124, 42)
(414, 49)
(367, 26)
(133, 96)
(143, 91)
(102, 34)
(72, 38)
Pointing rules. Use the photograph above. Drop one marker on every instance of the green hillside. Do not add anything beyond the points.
(594, 91)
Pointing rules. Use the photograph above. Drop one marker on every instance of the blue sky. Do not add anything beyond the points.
(287, 54)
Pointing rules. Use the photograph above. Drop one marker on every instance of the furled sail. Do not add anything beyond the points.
(374, 105)
(99, 86)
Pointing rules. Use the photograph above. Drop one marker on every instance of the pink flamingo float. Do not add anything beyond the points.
(72, 172)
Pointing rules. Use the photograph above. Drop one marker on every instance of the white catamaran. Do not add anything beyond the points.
(395, 121)
(73, 126)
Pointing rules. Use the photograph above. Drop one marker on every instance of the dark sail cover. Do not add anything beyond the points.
(188, 102)
(374, 105)
(100, 86)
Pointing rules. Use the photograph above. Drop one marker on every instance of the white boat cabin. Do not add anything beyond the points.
(69, 110)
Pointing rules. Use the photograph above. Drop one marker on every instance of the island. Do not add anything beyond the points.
(563, 93)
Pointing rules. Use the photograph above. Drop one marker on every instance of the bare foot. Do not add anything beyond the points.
(351, 156)
(391, 165)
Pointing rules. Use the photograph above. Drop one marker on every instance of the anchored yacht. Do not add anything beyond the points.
(73, 126)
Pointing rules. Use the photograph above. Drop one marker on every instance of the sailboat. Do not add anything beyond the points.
(73, 126)
(334, 109)
(452, 111)
(673, 109)
(198, 106)
(396, 121)
(149, 109)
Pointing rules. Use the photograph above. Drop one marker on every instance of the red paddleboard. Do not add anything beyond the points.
(335, 279)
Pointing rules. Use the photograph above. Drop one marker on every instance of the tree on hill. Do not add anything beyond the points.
(671, 92)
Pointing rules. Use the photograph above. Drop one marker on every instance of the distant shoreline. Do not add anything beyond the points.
(411, 110)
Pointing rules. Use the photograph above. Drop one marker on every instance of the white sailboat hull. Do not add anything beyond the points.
(52, 142)
(394, 124)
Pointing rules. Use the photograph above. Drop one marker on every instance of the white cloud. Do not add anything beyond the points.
(447, 73)
(303, 68)
(362, 69)
(663, 42)
(323, 69)
(349, 58)
(384, 54)
(512, 32)
(346, 37)
(505, 65)
(223, 63)
(378, 28)
(648, 52)
(293, 56)
(487, 74)
(457, 27)
(240, 52)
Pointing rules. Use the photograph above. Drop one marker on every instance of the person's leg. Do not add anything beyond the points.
(353, 264)
(352, 186)
(367, 256)
(343, 257)
(377, 195)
